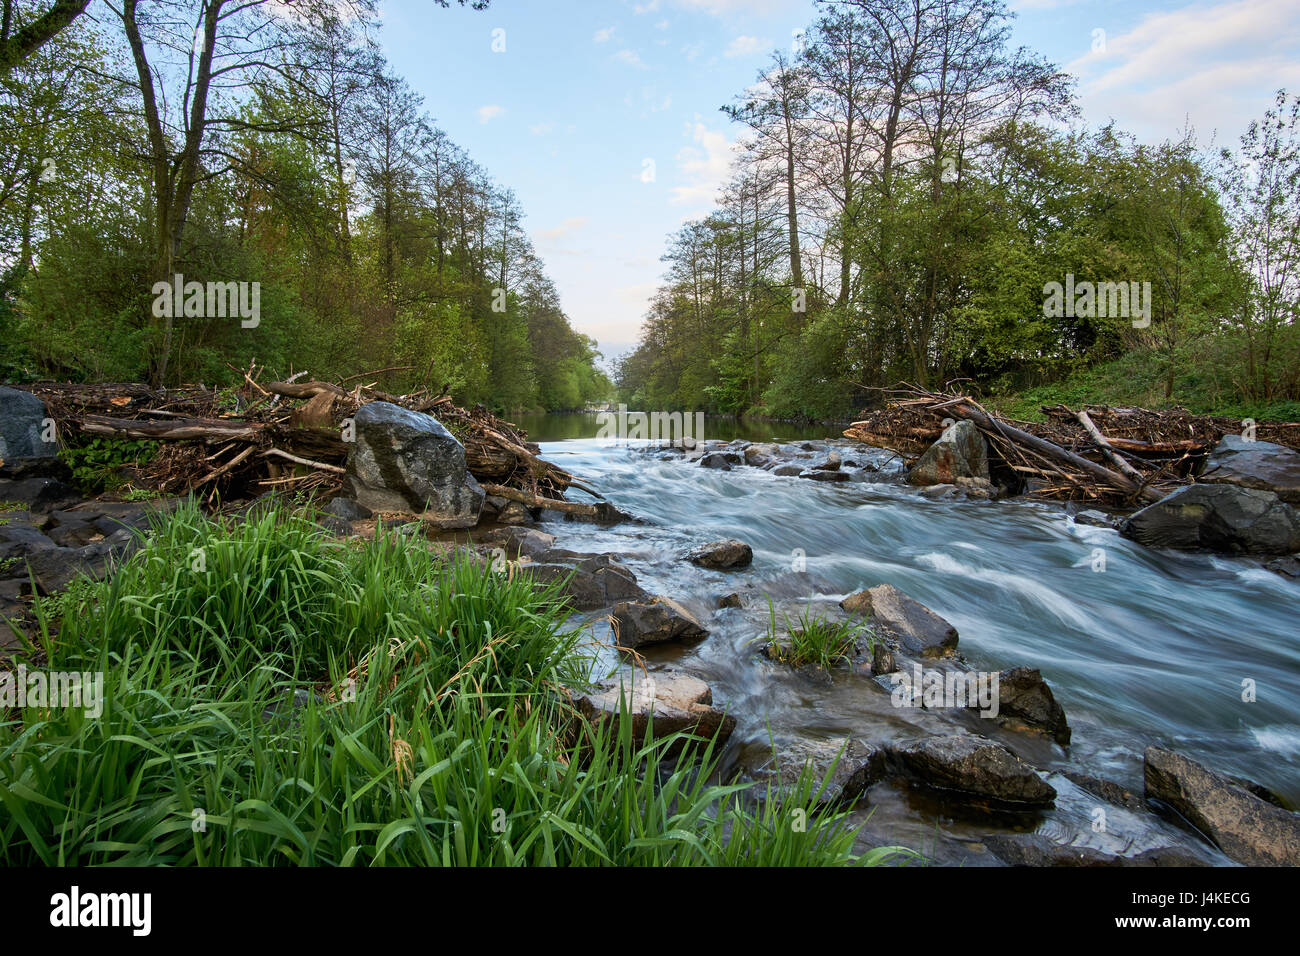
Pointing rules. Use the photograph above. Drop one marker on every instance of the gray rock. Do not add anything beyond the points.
(718, 555)
(842, 769)
(334, 525)
(731, 600)
(1289, 566)
(1246, 828)
(918, 629)
(977, 766)
(38, 494)
(759, 454)
(1220, 517)
(1097, 519)
(348, 510)
(518, 541)
(832, 476)
(1107, 790)
(960, 452)
(1255, 464)
(593, 583)
(674, 701)
(514, 513)
(1024, 696)
(406, 461)
(17, 538)
(22, 422)
(1034, 849)
(660, 619)
(722, 462)
(788, 471)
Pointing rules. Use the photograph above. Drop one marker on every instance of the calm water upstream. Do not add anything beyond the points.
(1154, 649)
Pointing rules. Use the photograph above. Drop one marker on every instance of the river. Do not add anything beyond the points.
(1140, 646)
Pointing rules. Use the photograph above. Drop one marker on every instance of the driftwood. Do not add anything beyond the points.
(1120, 456)
(287, 433)
(537, 501)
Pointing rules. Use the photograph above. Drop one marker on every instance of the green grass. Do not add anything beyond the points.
(431, 731)
(811, 639)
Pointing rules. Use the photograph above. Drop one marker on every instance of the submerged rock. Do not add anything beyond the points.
(1223, 518)
(787, 471)
(856, 767)
(1035, 849)
(919, 630)
(960, 452)
(1246, 828)
(718, 555)
(1023, 695)
(1262, 465)
(660, 619)
(406, 461)
(674, 701)
(720, 460)
(974, 765)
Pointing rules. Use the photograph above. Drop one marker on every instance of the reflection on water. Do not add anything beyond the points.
(1154, 649)
(553, 427)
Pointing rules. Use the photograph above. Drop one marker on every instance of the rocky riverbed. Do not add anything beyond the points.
(964, 748)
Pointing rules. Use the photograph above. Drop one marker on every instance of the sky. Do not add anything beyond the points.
(604, 116)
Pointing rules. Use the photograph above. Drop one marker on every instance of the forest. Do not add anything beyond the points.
(909, 195)
(267, 144)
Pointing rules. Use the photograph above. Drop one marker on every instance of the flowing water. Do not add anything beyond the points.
(1140, 647)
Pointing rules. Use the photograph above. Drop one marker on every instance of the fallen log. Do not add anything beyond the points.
(1047, 449)
(178, 429)
(537, 501)
(1106, 450)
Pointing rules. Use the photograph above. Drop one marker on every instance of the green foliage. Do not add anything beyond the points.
(96, 462)
(812, 639)
(274, 697)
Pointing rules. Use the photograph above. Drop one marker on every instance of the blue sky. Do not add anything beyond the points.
(588, 93)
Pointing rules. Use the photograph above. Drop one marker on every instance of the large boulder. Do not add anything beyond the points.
(1262, 465)
(919, 630)
(1246, 828)
(655, 621)
(406, 461)
(675, 701)
(22, 425)
(1218, 517)
(960, 452)
(977, 766)
(722, 554)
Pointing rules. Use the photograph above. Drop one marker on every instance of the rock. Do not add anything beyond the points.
(826, 475)
(718, 555)
(677, 702)
(1288, 566)
(54, 568)
(17, 538)
(16, 469)
(1246, 828)
(730, 600)
(974, 765)
(1034, 849)
(23, 421)
(787, 471)
(406, 461)
(73, 534)
(919, 630)
(960, 452)
(722, 462)
(1107, 790)
(883, 660)
(593, 583)
(638, 623)
(760, 453)
(38, 494)
(832, 462)
(936, 492)
(1262, 465)
(521, 541)
(1024, 695)
(348, 510)
(856, 767)
(335, 525)
(514, 513)
(1097, 519)
(1222, 517)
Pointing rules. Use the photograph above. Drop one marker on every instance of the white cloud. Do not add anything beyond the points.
(706, 166)
(603, 36)
(568, 226)
(630, 58)
(745, 46)
(1213, 65)
(490, 112)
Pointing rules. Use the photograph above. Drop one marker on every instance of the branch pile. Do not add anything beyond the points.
(257, 437)
(1118, 456)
